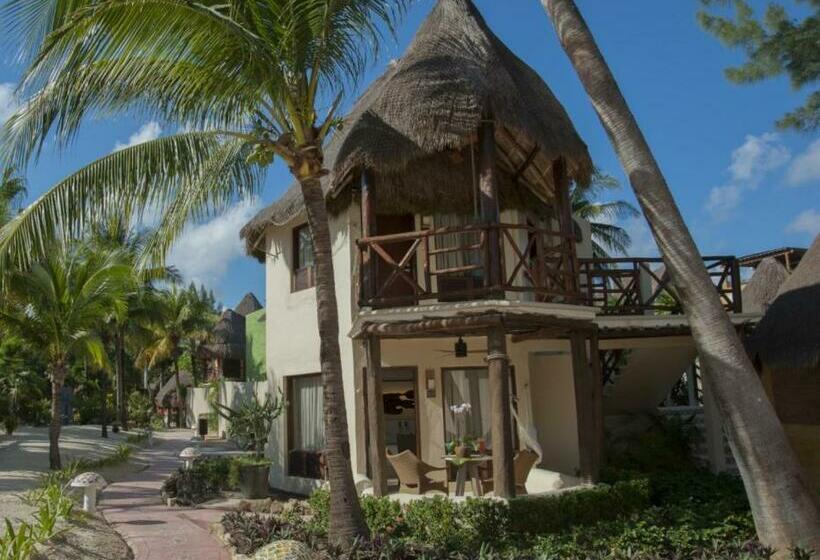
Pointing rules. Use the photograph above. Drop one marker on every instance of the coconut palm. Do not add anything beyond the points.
(118, 234)
(179, 318)
(784, 507)
(253, 80)
(56, 305)
(607, 238)
(12, 191)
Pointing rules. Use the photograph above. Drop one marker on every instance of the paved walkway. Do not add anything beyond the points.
(153, 530)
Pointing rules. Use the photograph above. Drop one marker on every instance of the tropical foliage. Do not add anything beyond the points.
(775, 44)
(57, 306)
(607, 237)
(12, 191)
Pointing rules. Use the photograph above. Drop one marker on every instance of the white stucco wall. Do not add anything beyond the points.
(292, 338)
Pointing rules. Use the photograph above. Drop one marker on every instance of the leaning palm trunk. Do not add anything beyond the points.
(346, 519)
(122, 409)
(785, 512)
(57, 379)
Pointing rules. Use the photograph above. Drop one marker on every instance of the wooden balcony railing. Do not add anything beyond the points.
(453, 264)
(633, 286)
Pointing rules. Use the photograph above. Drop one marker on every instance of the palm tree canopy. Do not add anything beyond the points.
(606, 237)
(59, 302)
(12, 191)
(247, 77)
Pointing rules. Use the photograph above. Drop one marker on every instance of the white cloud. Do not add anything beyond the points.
(807, 222)
(203, 252)
(8, 103)
(722, 200)
(147, 132)
(751, 162)
(806, 167)
(757, 156)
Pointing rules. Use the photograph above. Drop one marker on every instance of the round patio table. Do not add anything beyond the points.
(467, 467)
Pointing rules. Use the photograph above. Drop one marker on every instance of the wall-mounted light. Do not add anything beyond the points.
(460, 348)
(430, 382)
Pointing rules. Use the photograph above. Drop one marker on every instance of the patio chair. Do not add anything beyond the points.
(523, 462)
(414, 474)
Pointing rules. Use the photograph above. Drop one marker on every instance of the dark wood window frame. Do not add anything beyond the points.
(301, 463)
(303, 276)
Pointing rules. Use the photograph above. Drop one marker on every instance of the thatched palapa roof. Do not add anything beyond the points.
(788, 336)
(762, 288)
(228, 336)
(415, 127)
(248, 305)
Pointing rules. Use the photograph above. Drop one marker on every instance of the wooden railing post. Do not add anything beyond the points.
(375, 417)
(490, 210)
(737, 293)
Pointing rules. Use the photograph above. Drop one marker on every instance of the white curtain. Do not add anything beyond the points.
(468, 386)
(307, 416)
(456, 258)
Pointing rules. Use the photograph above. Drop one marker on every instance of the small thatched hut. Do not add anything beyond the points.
(414, 130)
(786, 347)
(763, 286)
(227, 346)
(248, 305)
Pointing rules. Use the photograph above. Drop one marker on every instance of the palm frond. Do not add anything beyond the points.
(148, 175)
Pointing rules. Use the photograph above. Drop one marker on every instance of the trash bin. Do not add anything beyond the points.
(203, 426)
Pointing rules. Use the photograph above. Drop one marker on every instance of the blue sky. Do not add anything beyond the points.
(742, 186)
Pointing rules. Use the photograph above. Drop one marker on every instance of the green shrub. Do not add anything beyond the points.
(383, 516)
(140, 409)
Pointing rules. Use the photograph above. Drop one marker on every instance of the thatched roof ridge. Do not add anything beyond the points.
(248, 305)
(760, 291)
(788, 336)
(228, 336)
(412, 125)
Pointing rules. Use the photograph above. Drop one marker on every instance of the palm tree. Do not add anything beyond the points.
(785, 511)
(12, 191)
(255, 79)
(56, 306)
(118, 234)
(606, 237)
(179, 319)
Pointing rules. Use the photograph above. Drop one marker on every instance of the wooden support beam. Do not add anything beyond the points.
(527, 162)
(360, 388)
(368, 262)
(501, 415)
(488, 190)
(585, 415)
(375, 417)
(597, 403)
(560, 181)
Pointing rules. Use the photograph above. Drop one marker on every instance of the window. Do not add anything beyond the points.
(232, 369)
(470, 385)
(303, 261)
(306, 429)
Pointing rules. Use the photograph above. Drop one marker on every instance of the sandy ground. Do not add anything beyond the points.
(24, 457)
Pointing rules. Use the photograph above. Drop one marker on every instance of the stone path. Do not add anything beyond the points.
(153, 530)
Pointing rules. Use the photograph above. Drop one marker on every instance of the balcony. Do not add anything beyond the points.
(451, 264)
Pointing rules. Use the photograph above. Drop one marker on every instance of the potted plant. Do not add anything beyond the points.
(461, 446)
(251, 423)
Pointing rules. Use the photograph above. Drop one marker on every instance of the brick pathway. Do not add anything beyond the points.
(153, 530)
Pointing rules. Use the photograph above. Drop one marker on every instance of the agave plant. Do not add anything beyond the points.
(251, 423)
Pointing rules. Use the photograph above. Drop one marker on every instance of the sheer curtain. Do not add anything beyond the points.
(308, 422)
(451, 240)
(468, 386)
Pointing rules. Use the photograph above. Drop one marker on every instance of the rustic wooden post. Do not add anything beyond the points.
(360, 387)
(368, 262)
(490, 210)
(583, 406)
(375, 417)
(597, 402)
(501, 416)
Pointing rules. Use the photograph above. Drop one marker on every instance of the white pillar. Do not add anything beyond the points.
(90, 499)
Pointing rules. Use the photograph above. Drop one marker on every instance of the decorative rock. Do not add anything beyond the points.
(284, 550)
(90, 482)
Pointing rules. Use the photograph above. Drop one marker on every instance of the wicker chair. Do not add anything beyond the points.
(523, 462)
(414, 474)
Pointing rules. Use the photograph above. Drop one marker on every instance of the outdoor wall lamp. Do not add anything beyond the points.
(430, 381)
(460, 348)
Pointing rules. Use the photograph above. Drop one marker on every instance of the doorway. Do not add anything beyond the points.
(401, 428)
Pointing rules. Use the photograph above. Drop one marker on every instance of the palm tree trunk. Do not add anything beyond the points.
(346, 519)
(122, 409)
(180, 403)
(57, 379)
(104, 405)
(785, 512)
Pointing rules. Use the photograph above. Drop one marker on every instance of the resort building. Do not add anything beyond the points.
(462, 277)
